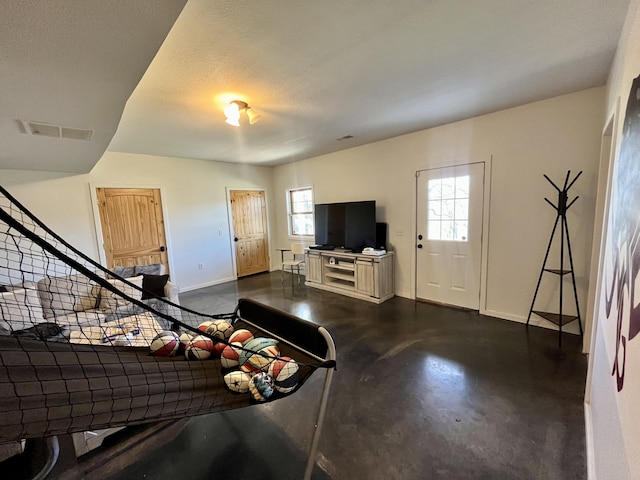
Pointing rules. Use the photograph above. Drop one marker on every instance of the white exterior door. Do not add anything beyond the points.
(449, 234)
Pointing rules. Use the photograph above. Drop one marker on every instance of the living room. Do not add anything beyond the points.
(518, 146)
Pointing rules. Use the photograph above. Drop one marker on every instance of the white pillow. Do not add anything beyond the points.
(64, 295)
(20, 308)
(111, 302)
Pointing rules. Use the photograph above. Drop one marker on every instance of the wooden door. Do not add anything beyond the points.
(449, 234)
(132, 227)
(249, 217)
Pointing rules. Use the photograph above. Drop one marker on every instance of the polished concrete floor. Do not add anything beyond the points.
(421, 392)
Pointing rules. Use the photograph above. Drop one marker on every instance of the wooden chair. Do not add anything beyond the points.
(296, 261)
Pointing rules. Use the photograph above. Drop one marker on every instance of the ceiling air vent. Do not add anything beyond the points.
(57, 131)
(346, 137)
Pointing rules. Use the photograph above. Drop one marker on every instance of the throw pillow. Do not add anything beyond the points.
(112, 302)
(20, 308)
(124, 272)
(153, 269)
(153, 285)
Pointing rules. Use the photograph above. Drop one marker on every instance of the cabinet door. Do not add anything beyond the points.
(365, 277)
(314, 268)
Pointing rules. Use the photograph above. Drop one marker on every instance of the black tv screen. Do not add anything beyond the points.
(350, 225)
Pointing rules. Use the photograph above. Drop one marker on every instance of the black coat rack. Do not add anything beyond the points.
(561, 208)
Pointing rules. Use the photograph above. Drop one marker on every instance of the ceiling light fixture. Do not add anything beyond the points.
(235, 108)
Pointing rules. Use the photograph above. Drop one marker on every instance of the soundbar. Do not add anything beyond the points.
(322, 247)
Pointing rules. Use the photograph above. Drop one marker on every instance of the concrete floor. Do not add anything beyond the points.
(421, 392)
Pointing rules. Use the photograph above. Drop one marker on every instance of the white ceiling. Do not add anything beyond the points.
(315, 71)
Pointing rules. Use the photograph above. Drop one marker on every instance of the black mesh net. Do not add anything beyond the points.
(83, 347)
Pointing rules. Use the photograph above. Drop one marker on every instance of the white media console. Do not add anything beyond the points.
(356, 275)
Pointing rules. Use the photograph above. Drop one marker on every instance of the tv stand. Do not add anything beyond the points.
(353, 274)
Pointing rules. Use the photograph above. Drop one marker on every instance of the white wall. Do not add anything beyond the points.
(193, 194)
(613, 423)
(547, 137)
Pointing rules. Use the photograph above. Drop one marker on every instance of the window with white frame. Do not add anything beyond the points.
(300, 207)
(448, 217)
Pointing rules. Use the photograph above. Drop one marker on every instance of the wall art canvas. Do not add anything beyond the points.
(621, 282)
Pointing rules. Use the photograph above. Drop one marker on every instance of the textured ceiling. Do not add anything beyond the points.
(315, 71)
(72, 63)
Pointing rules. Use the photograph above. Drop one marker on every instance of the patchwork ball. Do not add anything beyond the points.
(221, 329)
(285, 373)
(261, 386)
(199, 348)
(165, 344)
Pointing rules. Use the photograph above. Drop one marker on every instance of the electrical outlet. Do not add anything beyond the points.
(200, 266)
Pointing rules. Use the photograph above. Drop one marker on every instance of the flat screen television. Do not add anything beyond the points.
(349, 225)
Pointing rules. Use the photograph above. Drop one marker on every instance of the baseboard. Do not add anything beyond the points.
(208, 284)
(535, 321)
(588, 428)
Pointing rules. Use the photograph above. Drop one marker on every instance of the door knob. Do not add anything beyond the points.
(235, 239)
(419, 245)
(162, 249)
(419, 237)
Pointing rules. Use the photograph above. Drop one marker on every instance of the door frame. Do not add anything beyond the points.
(484, 247)
(608, 151)
(98, 225)
(232, 244)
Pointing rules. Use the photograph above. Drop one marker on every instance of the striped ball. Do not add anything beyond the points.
(204, 325)
(199, 348)
(165, 344)
(230, 355)
(185, 338)
(218, 348)
(242, 335)
(285, 373)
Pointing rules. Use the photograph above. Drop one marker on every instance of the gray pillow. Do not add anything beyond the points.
(124, 272)
(154, 269)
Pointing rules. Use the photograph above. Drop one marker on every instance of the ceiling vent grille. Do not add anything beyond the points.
(57, 131)
(346, 137)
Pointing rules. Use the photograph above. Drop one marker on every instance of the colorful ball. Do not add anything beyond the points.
(237, 381)
(261, 386)
(285, 373)
(230, 355)
(253, 346)
(221, 329)
(199, 348)
(242, 335)
(261, 359)
(165, 344)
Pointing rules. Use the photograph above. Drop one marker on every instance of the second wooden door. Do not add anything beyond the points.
(249, 216)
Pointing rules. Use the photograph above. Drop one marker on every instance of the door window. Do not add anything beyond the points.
(448, 209)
